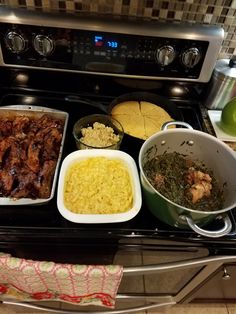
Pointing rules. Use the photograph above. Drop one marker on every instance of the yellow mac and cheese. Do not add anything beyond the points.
(98, 185)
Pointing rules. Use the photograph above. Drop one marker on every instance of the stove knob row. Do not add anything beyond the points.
(165, 55)
(17, 43)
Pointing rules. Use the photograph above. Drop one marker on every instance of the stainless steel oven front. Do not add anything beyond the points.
(157, 273)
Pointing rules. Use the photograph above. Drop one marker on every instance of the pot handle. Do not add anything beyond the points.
(212, 234)
(168, 123)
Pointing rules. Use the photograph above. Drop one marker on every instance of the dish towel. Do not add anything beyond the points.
(30, 280)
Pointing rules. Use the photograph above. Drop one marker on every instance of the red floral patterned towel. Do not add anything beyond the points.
(78, 284)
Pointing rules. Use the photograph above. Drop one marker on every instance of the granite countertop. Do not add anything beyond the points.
(209, 127)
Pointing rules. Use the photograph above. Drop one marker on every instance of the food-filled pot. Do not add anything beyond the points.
(222, 86)
(215, 154)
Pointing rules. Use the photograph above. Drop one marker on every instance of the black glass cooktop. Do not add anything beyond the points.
(36, 218)
(78, 100)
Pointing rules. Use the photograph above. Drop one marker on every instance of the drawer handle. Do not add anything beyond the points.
(123, 311)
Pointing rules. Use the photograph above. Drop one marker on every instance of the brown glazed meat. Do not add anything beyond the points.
(29, 149)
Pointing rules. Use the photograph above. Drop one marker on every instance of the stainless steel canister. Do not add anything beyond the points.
(222, 86)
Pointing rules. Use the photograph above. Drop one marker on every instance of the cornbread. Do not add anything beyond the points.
(98, 185)
(140, 119)
(99, 135)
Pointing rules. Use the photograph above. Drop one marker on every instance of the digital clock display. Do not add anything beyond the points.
(100, 41)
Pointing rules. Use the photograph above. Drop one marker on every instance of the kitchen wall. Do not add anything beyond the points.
(218, 12)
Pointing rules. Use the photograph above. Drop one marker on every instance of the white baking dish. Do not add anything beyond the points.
(100, 218)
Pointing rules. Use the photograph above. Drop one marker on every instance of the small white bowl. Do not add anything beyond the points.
(100, 218)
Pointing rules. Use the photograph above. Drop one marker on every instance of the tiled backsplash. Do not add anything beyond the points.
(217, 12)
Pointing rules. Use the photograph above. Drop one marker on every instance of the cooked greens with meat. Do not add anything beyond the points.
(185, 182)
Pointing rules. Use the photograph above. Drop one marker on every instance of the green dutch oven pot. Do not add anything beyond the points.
(215, 154)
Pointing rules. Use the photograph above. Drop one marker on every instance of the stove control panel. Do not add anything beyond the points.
(117, 47)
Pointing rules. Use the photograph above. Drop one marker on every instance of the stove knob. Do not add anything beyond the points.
(191, 57)
(15, 42)
(44, 45)
(165, 55)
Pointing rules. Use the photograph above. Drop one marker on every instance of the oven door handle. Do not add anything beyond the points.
(123, 311)
(171, 266)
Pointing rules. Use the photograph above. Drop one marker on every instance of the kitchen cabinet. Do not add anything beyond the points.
(221, 287)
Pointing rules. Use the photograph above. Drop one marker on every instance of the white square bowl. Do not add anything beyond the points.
(100, 218)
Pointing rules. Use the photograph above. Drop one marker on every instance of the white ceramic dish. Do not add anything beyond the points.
(100, 218)
(215, 116)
